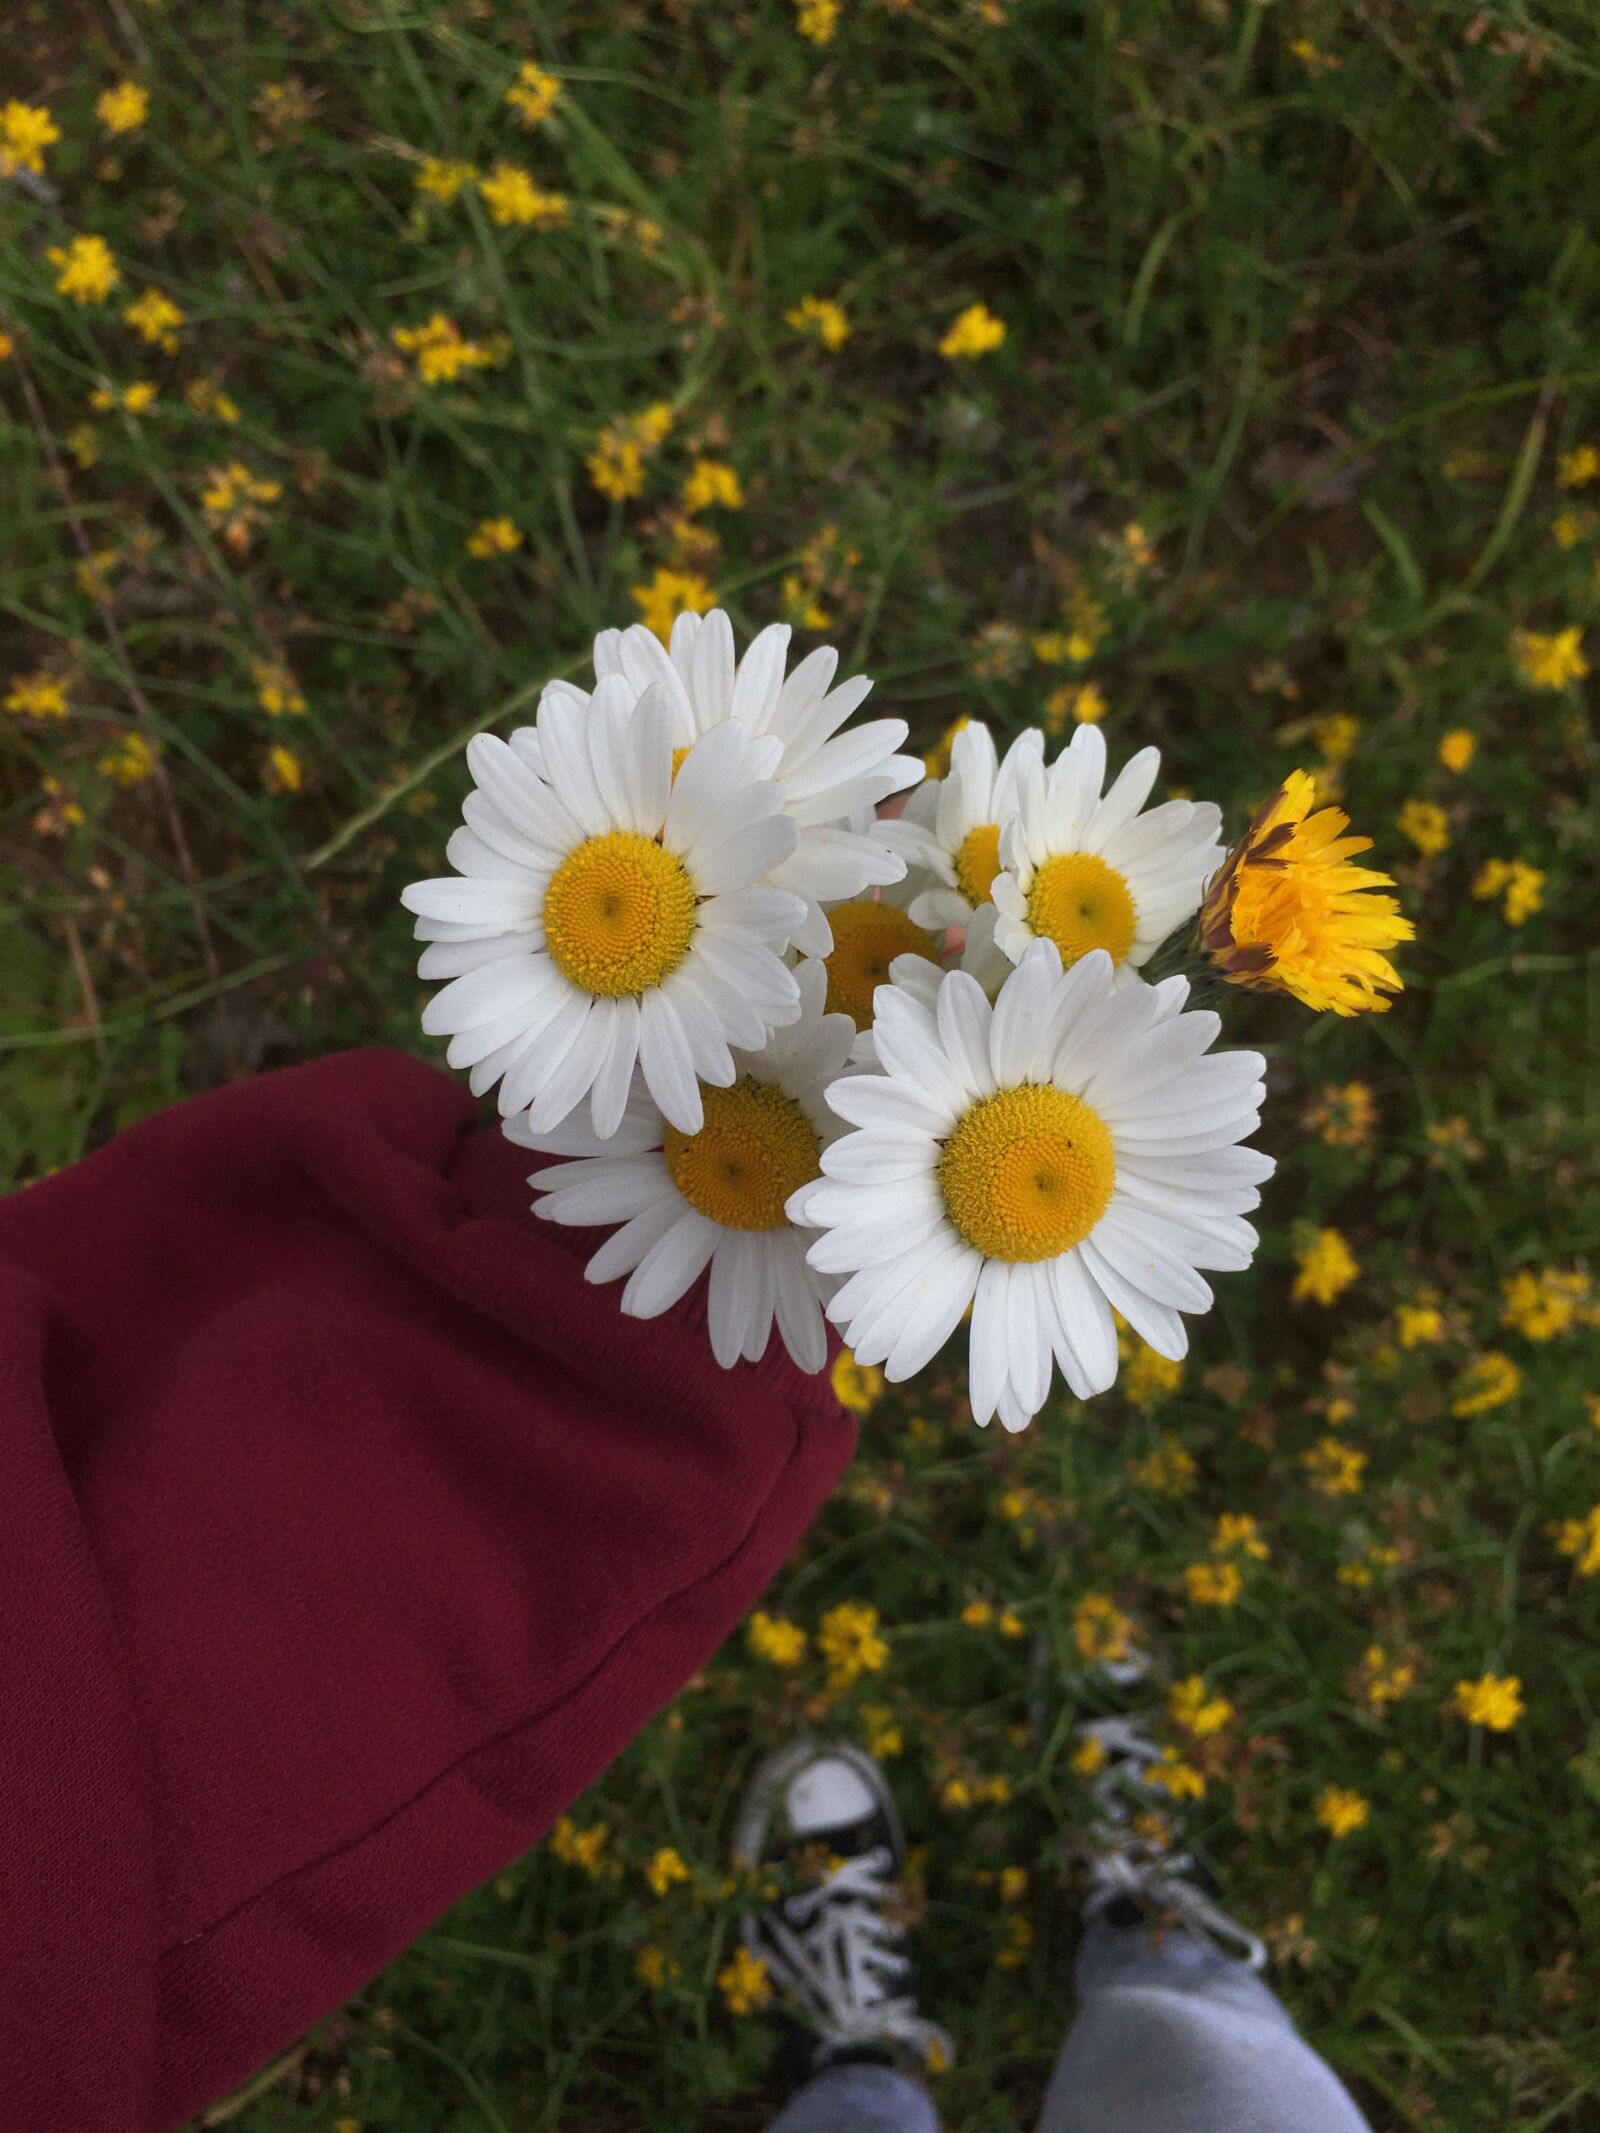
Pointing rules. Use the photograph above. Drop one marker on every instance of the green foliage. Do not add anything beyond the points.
(1302, 292)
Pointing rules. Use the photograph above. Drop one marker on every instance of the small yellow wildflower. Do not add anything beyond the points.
(1343, 1117)
(532, 96)
(710, 482)
(1335, 1468)
(1493, 1700)
(1169, 1469)
(1579, 1538)
(1549, 659)
(669, 594)
(85, 269)
(132, 399)
(26, 131)
(494, 536)
(974, 333)
(1542, 1306)
(820, 319)
(1088, 1759)
(1012, 1885)
(652, 1966)
(1521, 885)
(1419, 1324)
(1426, 825)
(977, 1614)
(1237, 1533)
(1384, 1680)
(1336, 736)
(780, 1642)
(1341, 1812)
(616, 465)
(206, 397)
(1577, 468)
(665, 1869)
(1176, 1776)
(1490, 1382)
(744, 1983)
(1148, 1377)
(1080, 701)
(1327, 1267)
(156, 319)
(440, 350)
(276, 689)
(442, 177)
(936, 763)
(1457, 749)
(130, 762)
(1312, 57)
(1100, 1629)
(582, 1848)
(1191, 1705)
(285, 769)
(1571, 527)
(83, 442)
(858, 1386)
(817, 19)
(847, 1637)
(884, 1736)
(1213, 1584)
(36, 696)
(514, 201)
(123, 109)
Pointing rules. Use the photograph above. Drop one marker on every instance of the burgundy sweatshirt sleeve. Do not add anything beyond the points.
(346, 1534)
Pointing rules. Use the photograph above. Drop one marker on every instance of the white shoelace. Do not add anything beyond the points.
(839, 1950)
(1127, 1865)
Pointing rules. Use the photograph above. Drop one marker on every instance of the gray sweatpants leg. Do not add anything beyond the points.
(1172, 2037)
(858, 2099)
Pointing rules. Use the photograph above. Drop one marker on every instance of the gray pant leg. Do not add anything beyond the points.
(858, 2099)
(1172, 2037)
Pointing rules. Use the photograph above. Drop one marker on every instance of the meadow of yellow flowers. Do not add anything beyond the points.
(1220, 371)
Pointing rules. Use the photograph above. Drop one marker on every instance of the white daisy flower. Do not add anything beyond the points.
(830, 780)
(916, 975)
(612, 907)
(1064, 1154)
(1086, 872)
(715, 1197)
(952, 825)
(869, 934)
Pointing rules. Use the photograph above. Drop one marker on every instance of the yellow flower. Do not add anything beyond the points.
(1457, 749)
(132, 399)
(820, 319)
(847, 1637)
(1522, 886)
(1493, 1700)
(1191, 1705)
(1236, 1533)
(582, 1848)
(884, 1737)
(1344, 1117)
(494, 536)
(858, 1386)
(1313, 58)
(1570, 527)
(710, 482)
(1289, 911)
(1490, 1382)
(206, 397)
(1336, 736)
(1148, 1377)
(441, 177)
(1327, 1267)
(26, 131)
(616, 465)
(533, 94)
(156, 319)
(1088, 1758)
(817, 19)
(977, 1614)
(1213, 1584)
(1080, 701)
(514, 201)
(276, 690)
(652, 1966)
(285, 769)
(123, 109)
(1579, 1538)
(85, 270)
(744, 1983)
(1100, 1629)
(1013, 1884)
(36, 696)
(936, 763)
(1426, 824)
(772, 1637)
(1340, 1811)
(1175, 1776)
(440, 350)
(1549, 659)
(669, 594)
(83, 442)
(1418, 1325)
(974, 333)
(1384, 1680)
(1335, 1468)
(1541, 1306)
(130, 762)
(1169, 1469)
(1577, 468)
(664, 1869)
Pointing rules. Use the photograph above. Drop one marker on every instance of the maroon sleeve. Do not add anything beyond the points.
(345, 1535)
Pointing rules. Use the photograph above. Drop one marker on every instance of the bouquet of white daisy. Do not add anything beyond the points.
(877, 1072)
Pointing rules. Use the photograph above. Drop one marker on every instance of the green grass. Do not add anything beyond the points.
(1322, 324)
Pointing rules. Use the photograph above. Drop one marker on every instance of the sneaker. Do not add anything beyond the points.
(1138, 1874)
(836, 1950)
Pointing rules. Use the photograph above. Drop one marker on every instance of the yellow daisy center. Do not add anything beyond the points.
(1027, 1174)
(1080, 903)
(867, 937)
(978, 862)
(756, 1147)
(619, 914)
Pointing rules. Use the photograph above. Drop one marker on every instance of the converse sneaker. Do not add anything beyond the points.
(836, 1949)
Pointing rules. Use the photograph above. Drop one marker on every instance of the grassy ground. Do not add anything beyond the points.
(1281, 446)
